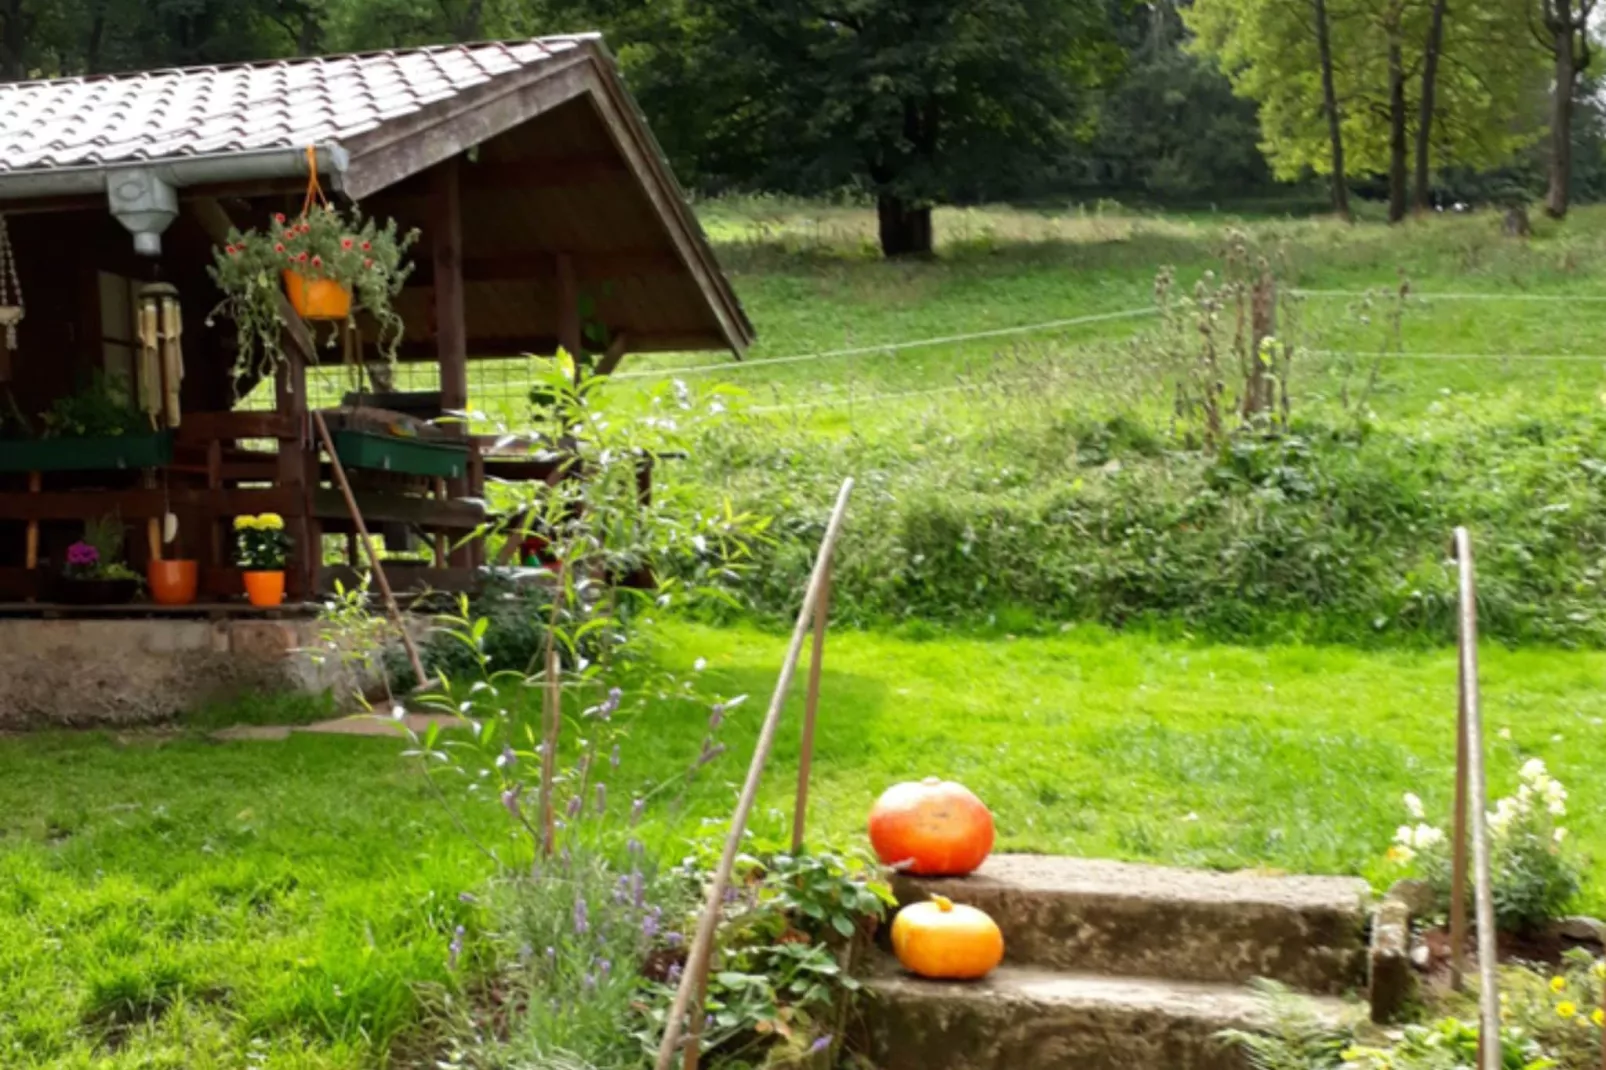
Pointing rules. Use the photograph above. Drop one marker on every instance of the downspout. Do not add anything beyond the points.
(144, 196)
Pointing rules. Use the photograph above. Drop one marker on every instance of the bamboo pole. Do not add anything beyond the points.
(702, 944)
(1488, 989)
(1458, 858)
(811, 707)
(368, 545)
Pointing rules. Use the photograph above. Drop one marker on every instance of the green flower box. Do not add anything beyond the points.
(409, 456)
(87, 454)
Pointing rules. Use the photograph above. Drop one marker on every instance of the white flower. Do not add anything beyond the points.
(1428, 836)
(1413, 805)
(1560, 834)
(1404, 836)
(1532, 769)
(1505, 733)
(699, 665)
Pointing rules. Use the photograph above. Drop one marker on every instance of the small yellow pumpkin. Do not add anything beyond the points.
(946, 942)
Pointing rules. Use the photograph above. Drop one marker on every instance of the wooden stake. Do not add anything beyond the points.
(368, 545)
(34, 485)
(811, 707)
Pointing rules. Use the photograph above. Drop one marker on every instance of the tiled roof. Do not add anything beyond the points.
(154, 115)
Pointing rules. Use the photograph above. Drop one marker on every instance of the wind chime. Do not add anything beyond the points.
(11, 309)
(161, 358)
(160, 378)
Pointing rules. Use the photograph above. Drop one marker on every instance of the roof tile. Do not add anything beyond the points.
(280, 104)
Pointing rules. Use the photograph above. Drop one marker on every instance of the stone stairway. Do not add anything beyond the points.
(1111, 966)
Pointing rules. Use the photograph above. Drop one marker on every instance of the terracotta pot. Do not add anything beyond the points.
(172, 583)
(265, 589)
(317, 299)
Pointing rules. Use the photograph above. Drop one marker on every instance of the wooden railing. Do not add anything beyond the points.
(694, 979)
(1471, 800)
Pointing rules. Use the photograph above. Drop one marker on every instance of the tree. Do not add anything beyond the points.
(1424, 122)
(1376, 48)
(915, 103)
(1566, 38)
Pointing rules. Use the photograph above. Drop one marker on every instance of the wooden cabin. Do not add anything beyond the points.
(536, 186)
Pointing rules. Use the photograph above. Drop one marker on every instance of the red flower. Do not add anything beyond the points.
(346, 243)
(303, 255)
(367, 245)
(317, 261)
(367, 262)
(278, 247)
(278, 217)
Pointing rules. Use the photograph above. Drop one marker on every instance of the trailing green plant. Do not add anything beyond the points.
(1450, 1044)
(324, 242)
(1535, 873)
(1293, 1038)
(100, 408)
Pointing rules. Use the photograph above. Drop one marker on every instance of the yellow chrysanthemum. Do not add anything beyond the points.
(1566, 1008)
(1558, 984)
(245, 523)
(270, 522)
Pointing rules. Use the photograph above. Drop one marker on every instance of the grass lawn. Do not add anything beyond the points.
(283, 902)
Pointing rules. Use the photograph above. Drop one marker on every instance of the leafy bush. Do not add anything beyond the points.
(1534, 873)
(1449, 1044)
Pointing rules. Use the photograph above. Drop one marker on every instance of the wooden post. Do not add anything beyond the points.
(451, 326)
(290, 399)
(569, 327)
(811, 707)
(32, 558)
(1458, 841)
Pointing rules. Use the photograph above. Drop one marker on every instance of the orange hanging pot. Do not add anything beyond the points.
(172, 583)
(265, 589)
(316, 299)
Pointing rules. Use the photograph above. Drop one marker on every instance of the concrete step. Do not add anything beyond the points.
(1022, 1018)
(1146, 921)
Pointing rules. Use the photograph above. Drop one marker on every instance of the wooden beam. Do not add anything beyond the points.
(379, 508)
(451, 330)
(545, 345)
(141, 504)
(614, 353)
(569, 307)
(211, 214)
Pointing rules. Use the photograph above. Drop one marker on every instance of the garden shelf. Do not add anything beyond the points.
(87, 454)
(409, 456)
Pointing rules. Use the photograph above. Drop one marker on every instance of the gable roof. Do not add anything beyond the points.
(375, 120)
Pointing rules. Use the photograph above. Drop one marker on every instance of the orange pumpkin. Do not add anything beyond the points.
(946, 942)
(935, 828)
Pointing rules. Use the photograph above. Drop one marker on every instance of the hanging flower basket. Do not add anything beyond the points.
(331, 263)
(316, 299)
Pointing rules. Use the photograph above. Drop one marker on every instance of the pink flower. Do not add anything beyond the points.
(278, 217)
(346, 243)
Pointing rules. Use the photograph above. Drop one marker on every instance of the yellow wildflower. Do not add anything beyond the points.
(1599, 1017)
(270, 522)
(1599, 970)
(1566, 1008)
(1558, 985)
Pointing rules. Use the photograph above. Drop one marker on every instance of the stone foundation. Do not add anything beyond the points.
(124, 672)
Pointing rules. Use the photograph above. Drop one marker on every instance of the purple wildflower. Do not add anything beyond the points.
(649, 923)
(717, 717)
(621, 890)
(820, 1044)
(674, 939)
(574, 806)
(582, 917)
(672, 975)
(467, 897)
(454, 949)
(602, 798)
(616, 757)
(635, 847)
(588, 981)
(507, 758)
(604, 967)
(711, 750)
(637, 808)
(510, 799)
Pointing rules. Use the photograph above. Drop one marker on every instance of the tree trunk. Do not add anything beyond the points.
(1397, 161)
(905, 229)
(1424, 124)
(1330, 103)
(1561, 127)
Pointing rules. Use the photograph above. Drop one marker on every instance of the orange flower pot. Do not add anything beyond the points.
(265, 589)
(316, 299)
(172, 583)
